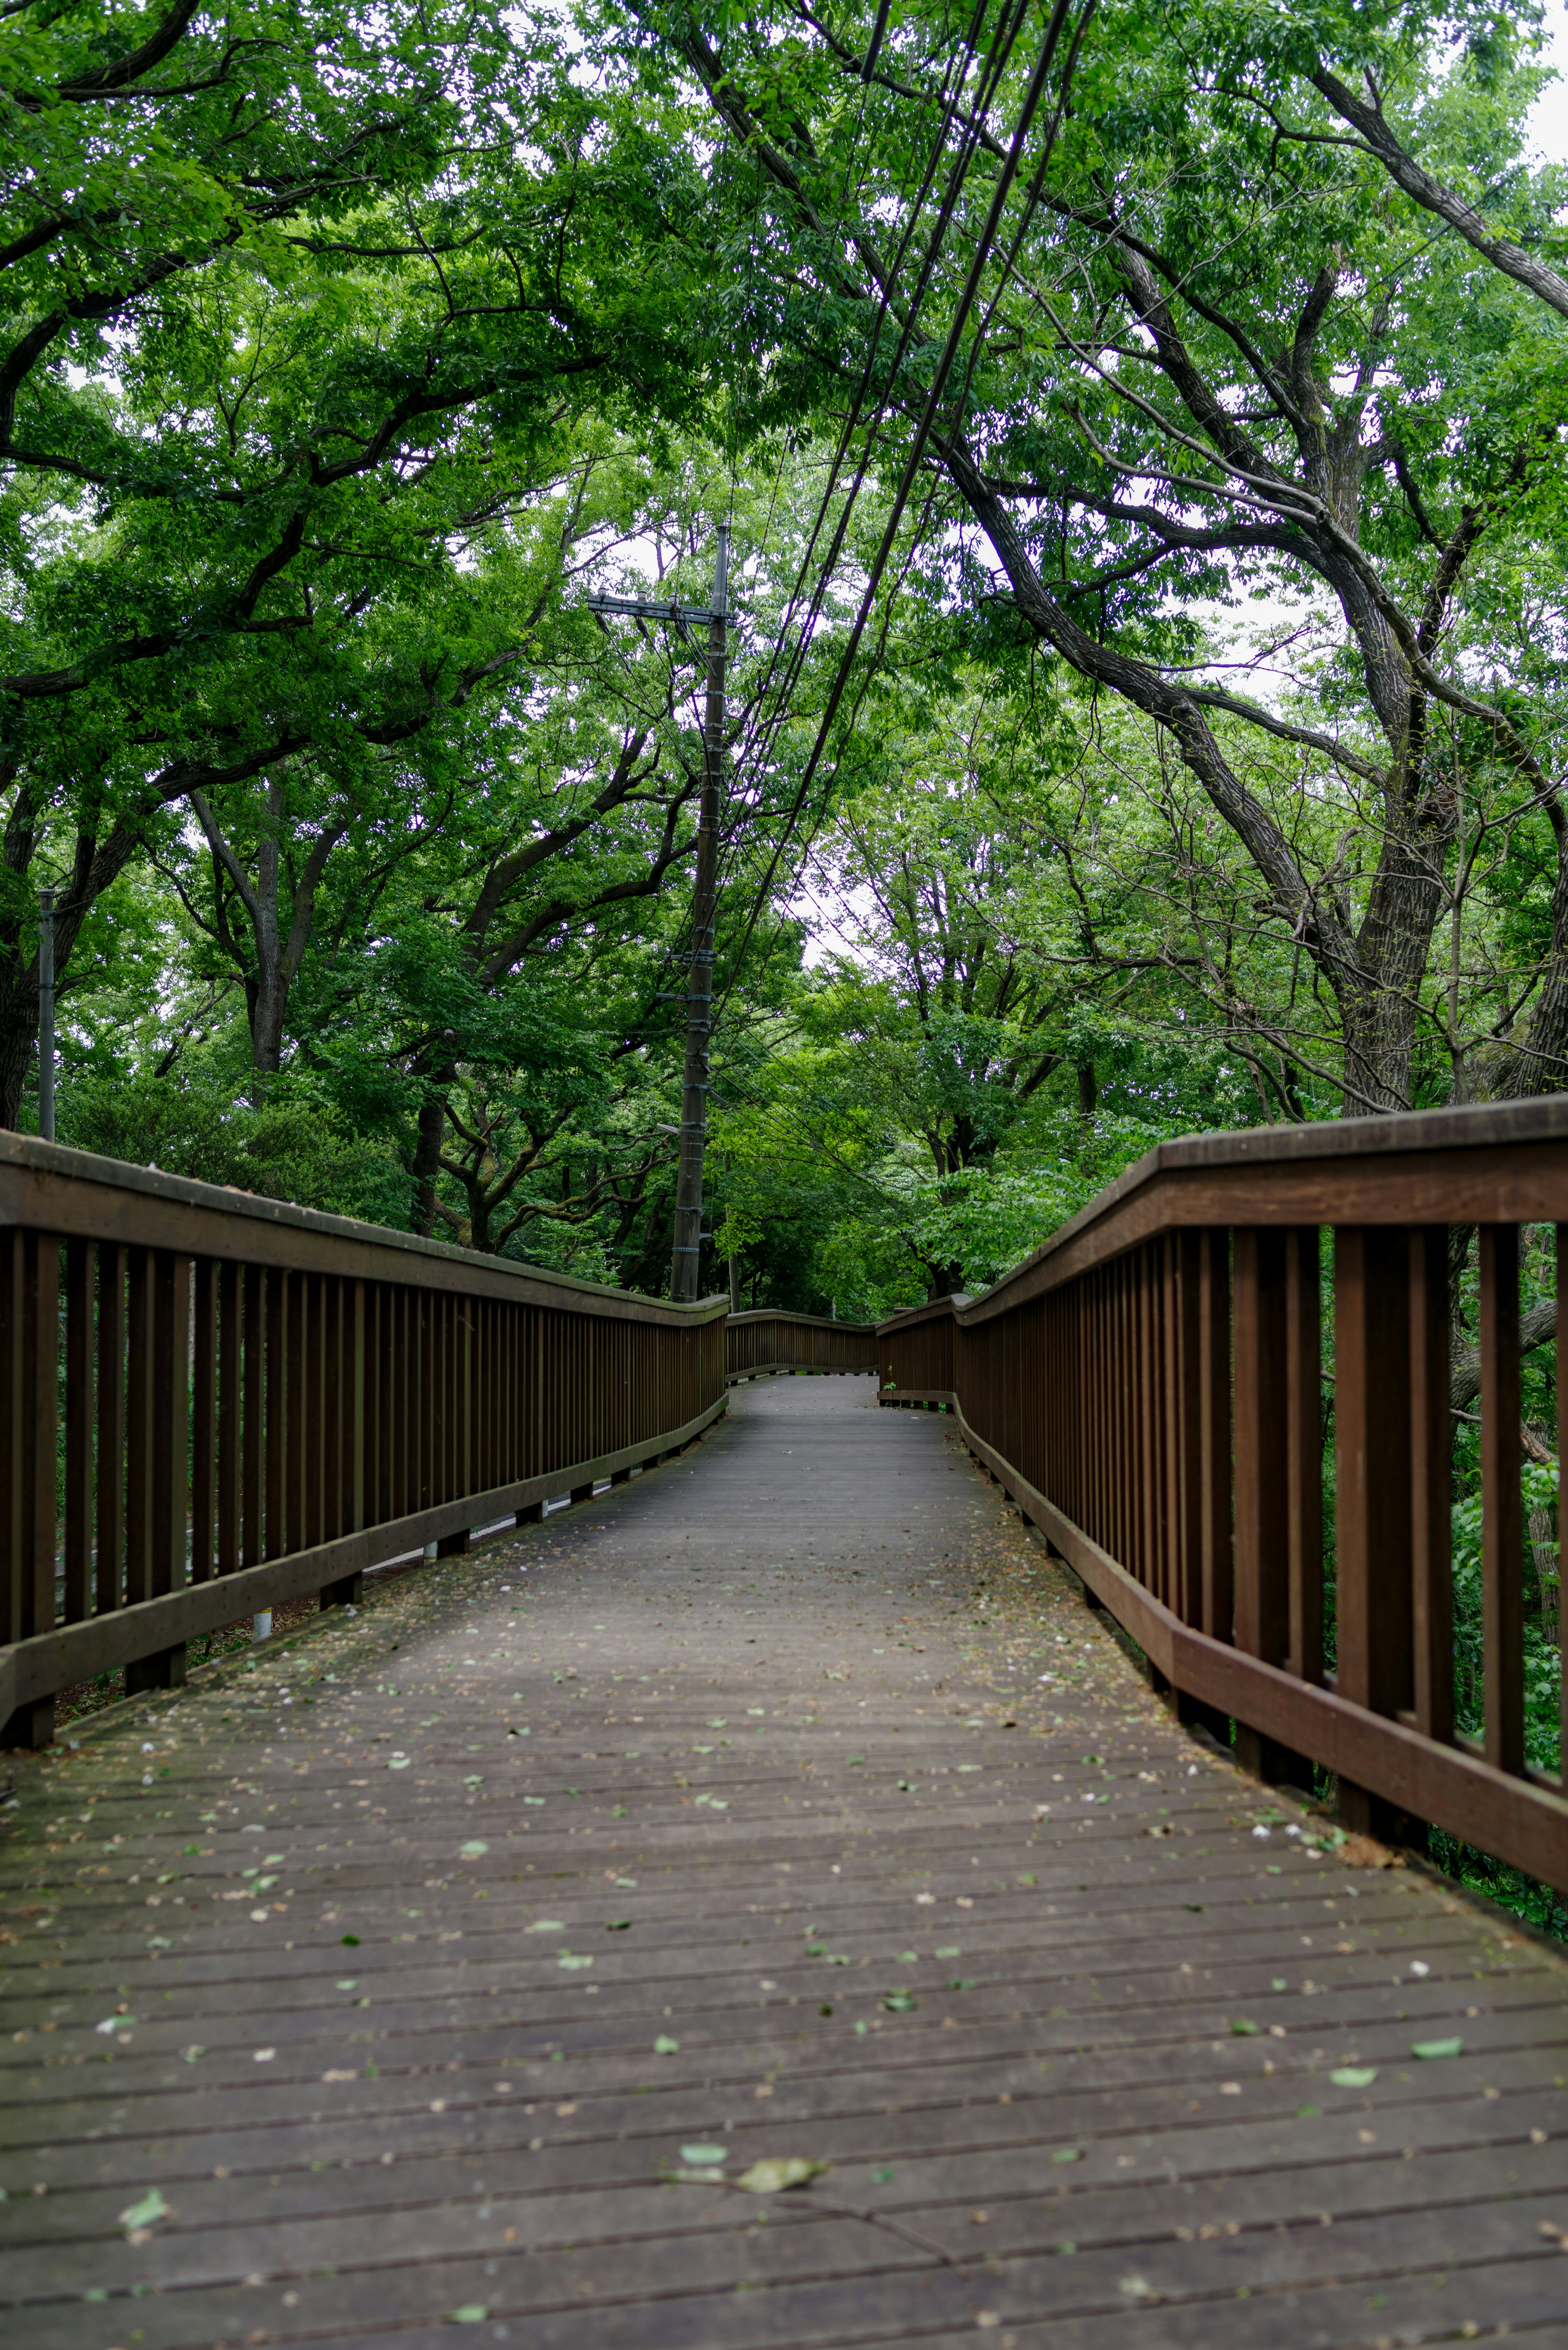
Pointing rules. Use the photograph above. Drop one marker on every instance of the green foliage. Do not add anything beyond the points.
(289, 1149)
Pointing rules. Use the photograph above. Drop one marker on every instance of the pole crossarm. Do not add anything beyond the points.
(640, 608)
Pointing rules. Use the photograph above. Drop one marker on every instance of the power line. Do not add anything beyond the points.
(1033, 96)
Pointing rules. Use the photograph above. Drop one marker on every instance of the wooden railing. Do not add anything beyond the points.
(766, 1341)
(211, 1403)
(1150, 1389)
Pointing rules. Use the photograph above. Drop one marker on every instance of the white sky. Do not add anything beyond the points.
(1550, 121)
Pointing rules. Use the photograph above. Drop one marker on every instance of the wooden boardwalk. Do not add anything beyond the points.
(786, 1802)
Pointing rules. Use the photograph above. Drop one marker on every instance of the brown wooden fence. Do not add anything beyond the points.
(211, 1403)
(1169, 1388)
(764, 1341)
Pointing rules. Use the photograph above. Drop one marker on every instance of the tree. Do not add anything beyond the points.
(1218, 358)
(299, 541)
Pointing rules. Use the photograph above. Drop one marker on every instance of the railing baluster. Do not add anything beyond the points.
(1502, 1531)
(274, 1442)
(359, 1405)
(1304, 1450)
(334, 1506)
(203, 1419)
(41, 1342)
(13, 1314)
(1372, 1484)
(1216, 1555)
(1184, 1439)
(81, 1272)
(296, 1406)
(1562, 1371)
(171, 1422)
(139, 1427)
(253, 1347)
(1431, 1446)
(1262, 1554)
(109, 1562)
(230, 1451)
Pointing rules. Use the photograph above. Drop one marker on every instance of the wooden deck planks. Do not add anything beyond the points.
(790, 1687)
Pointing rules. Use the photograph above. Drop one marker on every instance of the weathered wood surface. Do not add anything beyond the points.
(774, 1764)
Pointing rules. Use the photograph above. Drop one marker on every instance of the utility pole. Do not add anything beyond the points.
(47, 1015)
(686, 1254)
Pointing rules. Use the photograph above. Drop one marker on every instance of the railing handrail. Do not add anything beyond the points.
(1208, 1178)
(51, 1187)
(785, 1313)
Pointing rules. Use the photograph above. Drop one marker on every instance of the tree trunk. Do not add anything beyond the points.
(427, 1161)
(269, 994)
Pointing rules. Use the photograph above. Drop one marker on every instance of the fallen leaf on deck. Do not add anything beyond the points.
(1437, 2047)
(774, 2173)
(142, 2214)
(1354, 2076)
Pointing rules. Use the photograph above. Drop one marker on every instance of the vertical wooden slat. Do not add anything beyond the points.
(1216, 1561)
(1262, 1573)
(294, 1406)
(1431, 1441)
(140, 1273)
(204, 1421)
(391, 1448)
(1502, 1531)
(229, 1444)
(1372, 1452)
(111, 1338)
(275, 1441)
(170, 1420)
(330, 1407)
(1303, 1450)
(355, 1407)
(318, 1407)
(41, 1349)
(1562, 1498)
(1187, 1428)
(13, 1316)
(81, 1281)
(1150, 1513)
(253, 1420)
